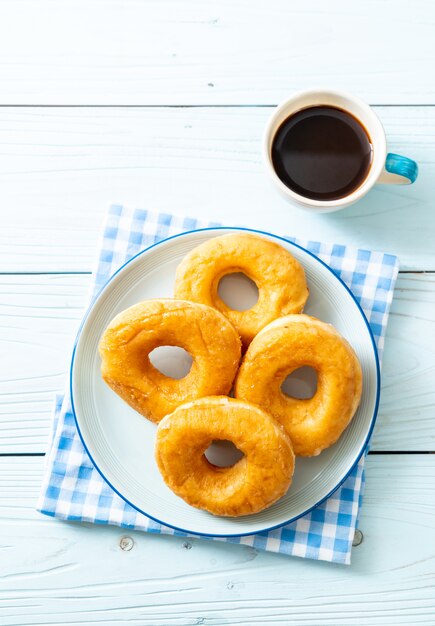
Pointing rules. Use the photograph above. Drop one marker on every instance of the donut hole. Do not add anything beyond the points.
(301, 383)
(223, 453)
(238, 292)
(171, 361)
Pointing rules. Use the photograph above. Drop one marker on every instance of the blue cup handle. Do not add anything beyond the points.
(399, 170)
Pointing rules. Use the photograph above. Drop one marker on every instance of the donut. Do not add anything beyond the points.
(202, 331)
(280, 279)
(256, 481)
(285, 345)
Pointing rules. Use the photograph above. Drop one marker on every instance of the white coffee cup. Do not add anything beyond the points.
(385, 168)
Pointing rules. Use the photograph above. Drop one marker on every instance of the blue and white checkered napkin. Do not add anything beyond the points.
(73, 489)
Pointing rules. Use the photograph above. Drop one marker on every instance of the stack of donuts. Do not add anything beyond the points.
(246, 353)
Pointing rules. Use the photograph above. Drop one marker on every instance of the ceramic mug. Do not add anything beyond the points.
(385, 168)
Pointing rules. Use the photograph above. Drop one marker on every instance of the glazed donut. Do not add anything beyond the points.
(280, 279)
(255, 482)
(202, 331)
(285, 345)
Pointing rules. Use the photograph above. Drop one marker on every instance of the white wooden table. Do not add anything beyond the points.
(162, 104)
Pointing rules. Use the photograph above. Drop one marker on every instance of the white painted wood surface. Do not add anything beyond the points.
(61, 166)
(57, 573)
(225, 51)
(40, 315)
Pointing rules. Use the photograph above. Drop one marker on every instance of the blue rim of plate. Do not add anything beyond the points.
(372, 421)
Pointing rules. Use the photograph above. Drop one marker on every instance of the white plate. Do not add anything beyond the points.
(121, 442)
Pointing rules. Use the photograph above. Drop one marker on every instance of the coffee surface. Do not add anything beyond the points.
(322, 153)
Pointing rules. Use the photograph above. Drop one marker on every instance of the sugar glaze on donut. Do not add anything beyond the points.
(280, 279)
(256, 481)
(201, 330)
(285, 345)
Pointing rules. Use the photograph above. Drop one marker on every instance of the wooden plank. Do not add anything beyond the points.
(407, 409)
(39, 316)
(61, 168)
(167, 52)
(57, 573)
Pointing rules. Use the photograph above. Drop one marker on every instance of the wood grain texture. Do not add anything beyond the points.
(61, 168)
(407, 409)
(57, 573)
(169, 52)
(40, 315)
(39, 318)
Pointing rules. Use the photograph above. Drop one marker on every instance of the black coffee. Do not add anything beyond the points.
(322, 153)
